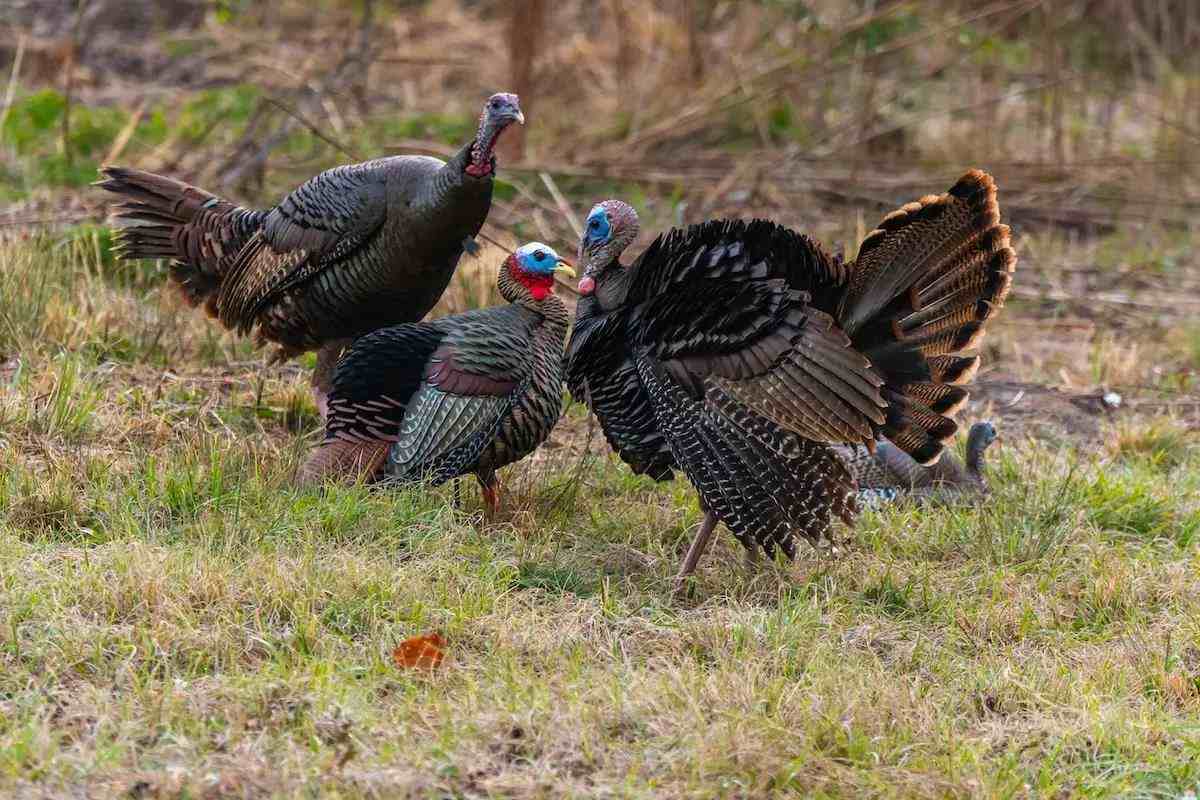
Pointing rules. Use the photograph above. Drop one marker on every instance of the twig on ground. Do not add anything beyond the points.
(119, 144)
(563, 206)
(313, 129)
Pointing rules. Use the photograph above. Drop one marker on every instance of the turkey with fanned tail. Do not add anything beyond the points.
(741, 352)
(459, 395)
(354, 249)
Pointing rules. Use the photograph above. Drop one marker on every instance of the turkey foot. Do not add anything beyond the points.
(695, 551)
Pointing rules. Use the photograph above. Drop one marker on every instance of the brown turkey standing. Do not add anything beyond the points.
(740, 352)
(354, 249)
(465, 394)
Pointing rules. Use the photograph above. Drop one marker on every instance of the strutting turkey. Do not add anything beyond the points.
(354, 249)
(465, 394)
(890, 474)
(740, 352)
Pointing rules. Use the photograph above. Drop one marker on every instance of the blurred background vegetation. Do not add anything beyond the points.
(821, 114)
(1087, 110)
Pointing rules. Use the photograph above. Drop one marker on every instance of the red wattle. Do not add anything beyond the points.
(587, 285)
(540, 286)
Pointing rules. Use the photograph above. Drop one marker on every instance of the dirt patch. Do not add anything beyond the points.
(1025, 409)
(1021, 408)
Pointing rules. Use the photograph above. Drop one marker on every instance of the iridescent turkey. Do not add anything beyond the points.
(352, 250)
(740, 352)
(890, 474)
(465, 394)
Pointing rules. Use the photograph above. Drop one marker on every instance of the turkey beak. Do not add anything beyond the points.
(565, 268)
(512, 113)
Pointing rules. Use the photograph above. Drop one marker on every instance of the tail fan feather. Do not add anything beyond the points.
(160, 217)
(923, 286)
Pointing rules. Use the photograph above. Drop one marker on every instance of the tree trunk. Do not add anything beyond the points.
(527, 25)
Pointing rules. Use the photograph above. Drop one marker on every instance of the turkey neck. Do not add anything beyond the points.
(454, 176)
(551, 309)
(612, 287)
(975, 460)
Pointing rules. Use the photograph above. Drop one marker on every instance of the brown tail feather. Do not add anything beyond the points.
(921, 290)
(335, 459)
(957, 370)
(161, 217)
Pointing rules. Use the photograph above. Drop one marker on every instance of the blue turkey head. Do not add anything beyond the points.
(503, 109)
(610, 227)
(533, 265)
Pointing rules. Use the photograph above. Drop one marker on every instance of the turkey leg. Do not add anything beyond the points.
(491, 497)
(695, 551)
(322, 377)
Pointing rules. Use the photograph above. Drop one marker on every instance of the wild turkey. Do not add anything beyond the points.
(352, 250)
(740, 351)
(889, 473)
(463, 394)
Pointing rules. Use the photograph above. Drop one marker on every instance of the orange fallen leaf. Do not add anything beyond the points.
(420, 652)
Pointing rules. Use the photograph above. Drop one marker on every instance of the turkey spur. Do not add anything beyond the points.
(354, 249)
(742, 352)
(459, 395)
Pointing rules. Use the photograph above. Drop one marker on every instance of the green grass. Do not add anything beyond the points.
(177, 621)
(32, 134)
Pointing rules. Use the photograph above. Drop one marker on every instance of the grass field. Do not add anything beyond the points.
(178, 621)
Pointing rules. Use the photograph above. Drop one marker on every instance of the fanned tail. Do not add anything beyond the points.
(160, 217)
(921, 290)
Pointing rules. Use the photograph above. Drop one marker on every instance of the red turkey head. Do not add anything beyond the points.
(533, 266)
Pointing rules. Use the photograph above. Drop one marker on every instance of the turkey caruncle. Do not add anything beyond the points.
(741, 351)
(465, 394)
(356, 248)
